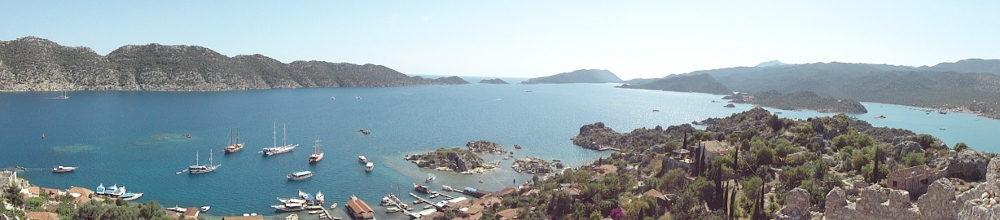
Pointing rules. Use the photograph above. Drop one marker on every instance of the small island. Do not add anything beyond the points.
(578, 76)
(496, 81)
(464, 161)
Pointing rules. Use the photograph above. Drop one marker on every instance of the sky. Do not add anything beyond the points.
(633, 39)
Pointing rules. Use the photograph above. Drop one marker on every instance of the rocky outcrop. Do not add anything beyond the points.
(968, 165)
(455, 159)
(985, 201)
(908, 146)
(36, 64)
(940, 201)
(497, 81)
(796, 206)
(535, 165)
(485, 147)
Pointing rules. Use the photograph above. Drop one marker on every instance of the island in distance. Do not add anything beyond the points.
(578, 76)
(497, 81)
(37, 64)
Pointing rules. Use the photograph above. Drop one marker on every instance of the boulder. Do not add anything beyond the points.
(796, 205)
(906, 147)
(968, 165)
(939, 201)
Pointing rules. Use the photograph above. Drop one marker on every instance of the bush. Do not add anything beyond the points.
(914, 159)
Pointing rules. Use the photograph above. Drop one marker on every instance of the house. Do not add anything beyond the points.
(506, 214)
(714, 149)
(246, 217)
(913, 179)
(41, 215)
(192, 213)
(80, 194)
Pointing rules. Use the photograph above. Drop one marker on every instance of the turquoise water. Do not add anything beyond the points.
(137, 139)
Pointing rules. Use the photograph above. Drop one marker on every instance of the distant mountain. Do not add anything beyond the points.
(578, 76)
(701, 83)
(968, 66)
(966, 84)
(770, 63)
(36, 64)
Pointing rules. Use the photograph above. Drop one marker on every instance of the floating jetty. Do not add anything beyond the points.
(420, 200)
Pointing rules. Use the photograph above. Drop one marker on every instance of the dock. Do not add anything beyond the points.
(442, 194)
(422, 200)
(325, 212)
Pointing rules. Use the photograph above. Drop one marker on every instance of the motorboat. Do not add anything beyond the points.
(300, 175)
(177, 209)
(362, 159)
(291, 200)
(205, 208)
(63, 169)
(100, 189)
(131, 196)
(421, 188)
(369, 167)
(289, 207)
(391, 210)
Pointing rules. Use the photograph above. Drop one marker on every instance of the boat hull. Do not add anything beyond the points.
(234, 148)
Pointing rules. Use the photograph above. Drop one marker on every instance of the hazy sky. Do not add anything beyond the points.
(634, 39)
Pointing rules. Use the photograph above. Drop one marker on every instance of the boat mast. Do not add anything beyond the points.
(274, 134)
(196, 159)
(284, 135)
(317, 144)
(210, 161)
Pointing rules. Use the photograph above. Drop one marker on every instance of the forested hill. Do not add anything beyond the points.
(578, 76)
(972, 84)
(701, 83)
(36, 64)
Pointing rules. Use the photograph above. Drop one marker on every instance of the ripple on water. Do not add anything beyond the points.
(164, 138)
(76, 148)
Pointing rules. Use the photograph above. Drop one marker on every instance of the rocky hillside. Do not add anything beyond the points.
(701, 83)
(36, 64)
(578, 76)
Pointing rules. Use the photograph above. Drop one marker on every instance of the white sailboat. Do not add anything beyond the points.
(284, 148)
(63, 96)
(234, 142)
(198, 168)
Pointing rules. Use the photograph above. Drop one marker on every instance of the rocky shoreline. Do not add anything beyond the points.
(533, 165)
(463, 161)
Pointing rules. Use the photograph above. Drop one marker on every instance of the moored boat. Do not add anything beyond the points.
(300, 175)
(289, 207)
(291, 200)
(421, 188)
(320, 198)
(63, 169)
(100, 189)
(362, 159)
(198, 168)
(205, 208)
(131, 196)
(369, 167)
(316, 156)
(234, 142)
(284, 148)
(177, 209)
(392, 209)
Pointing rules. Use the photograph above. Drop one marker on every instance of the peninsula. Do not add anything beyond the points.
(36, 64)
(799, 101)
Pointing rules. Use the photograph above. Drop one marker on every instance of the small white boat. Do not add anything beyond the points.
(300, 175)
(63, 96)
(369, 167)
(291, 200)
(290, 207)
(362, 159)
(131, 196)
(391, 210)
(100, 189)
(333, 206)
(320, 197)
(63, 169)
(177, 209)
(205, 208)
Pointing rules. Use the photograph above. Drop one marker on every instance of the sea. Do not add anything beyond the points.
(140, 140)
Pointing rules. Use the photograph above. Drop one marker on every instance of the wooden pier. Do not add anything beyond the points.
(422, 200)
(325, 212)
(442, 194)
